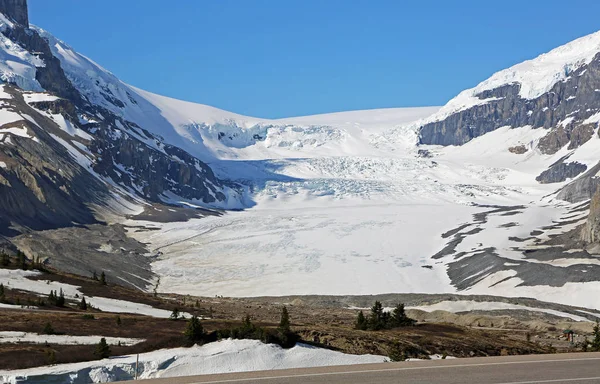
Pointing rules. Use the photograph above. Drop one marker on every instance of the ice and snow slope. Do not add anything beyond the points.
(352, 205)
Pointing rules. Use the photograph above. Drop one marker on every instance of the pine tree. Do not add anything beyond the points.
(102, 349)
(284, 323)
(5, 259)
(361, 321)
(103, 278)
(399, 318)
(95, 276)
(60, 300)
(83, 305)
(287, 338)
(596, 342)
(22, 260)
(1, 292)
(174, 314)
(194, 331)
(118, 320)
(48, 330)
(376, 318)
(52, 298)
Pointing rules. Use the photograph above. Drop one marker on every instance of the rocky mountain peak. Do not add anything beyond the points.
(16, 10)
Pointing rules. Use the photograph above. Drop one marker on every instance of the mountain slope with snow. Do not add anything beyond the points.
(459, 199)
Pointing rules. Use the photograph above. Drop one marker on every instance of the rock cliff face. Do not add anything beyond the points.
(72, 156)
(591, 231)
(16, 10)
(563, 110)
(568, 111)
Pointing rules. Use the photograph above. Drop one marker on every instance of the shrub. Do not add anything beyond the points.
(397, 353)
(51, 356)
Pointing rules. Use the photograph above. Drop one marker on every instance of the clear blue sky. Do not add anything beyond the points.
(277, 58)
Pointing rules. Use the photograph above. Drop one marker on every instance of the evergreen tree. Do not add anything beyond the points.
(596, 342)
(103, 278)
(52, 298)
(95, 276)
(1, 292)
(376, 320)
(118, 320)
(399, 318)
(175, 314)
(284, 323)
(22, 260)
(48, 330)
(194, 331)
(102, 349)
(287, 338)
(5, 259)
(83, 305)
(361, 321)
(60, 300)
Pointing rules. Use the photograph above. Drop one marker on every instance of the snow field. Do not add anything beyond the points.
(9, 337)
(219, 357)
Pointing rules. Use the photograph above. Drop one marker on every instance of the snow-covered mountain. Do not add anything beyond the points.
(488, 194)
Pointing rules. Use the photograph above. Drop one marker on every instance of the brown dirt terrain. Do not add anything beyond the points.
(325, 323)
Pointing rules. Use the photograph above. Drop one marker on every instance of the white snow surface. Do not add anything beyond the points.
(219, 357)
(11, 337)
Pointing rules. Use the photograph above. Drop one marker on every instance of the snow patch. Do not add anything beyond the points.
(221, 357)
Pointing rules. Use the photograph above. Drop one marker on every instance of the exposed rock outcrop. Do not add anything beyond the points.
(565, 107)
(582, 188)
(16, 10)
(591, 230)
(560, 172)
(518, 149)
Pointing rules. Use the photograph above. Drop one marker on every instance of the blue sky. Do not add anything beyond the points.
(278, 58)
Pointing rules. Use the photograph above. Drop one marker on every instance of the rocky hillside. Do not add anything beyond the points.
(558, 92)
(63, 156)
(69, 162)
